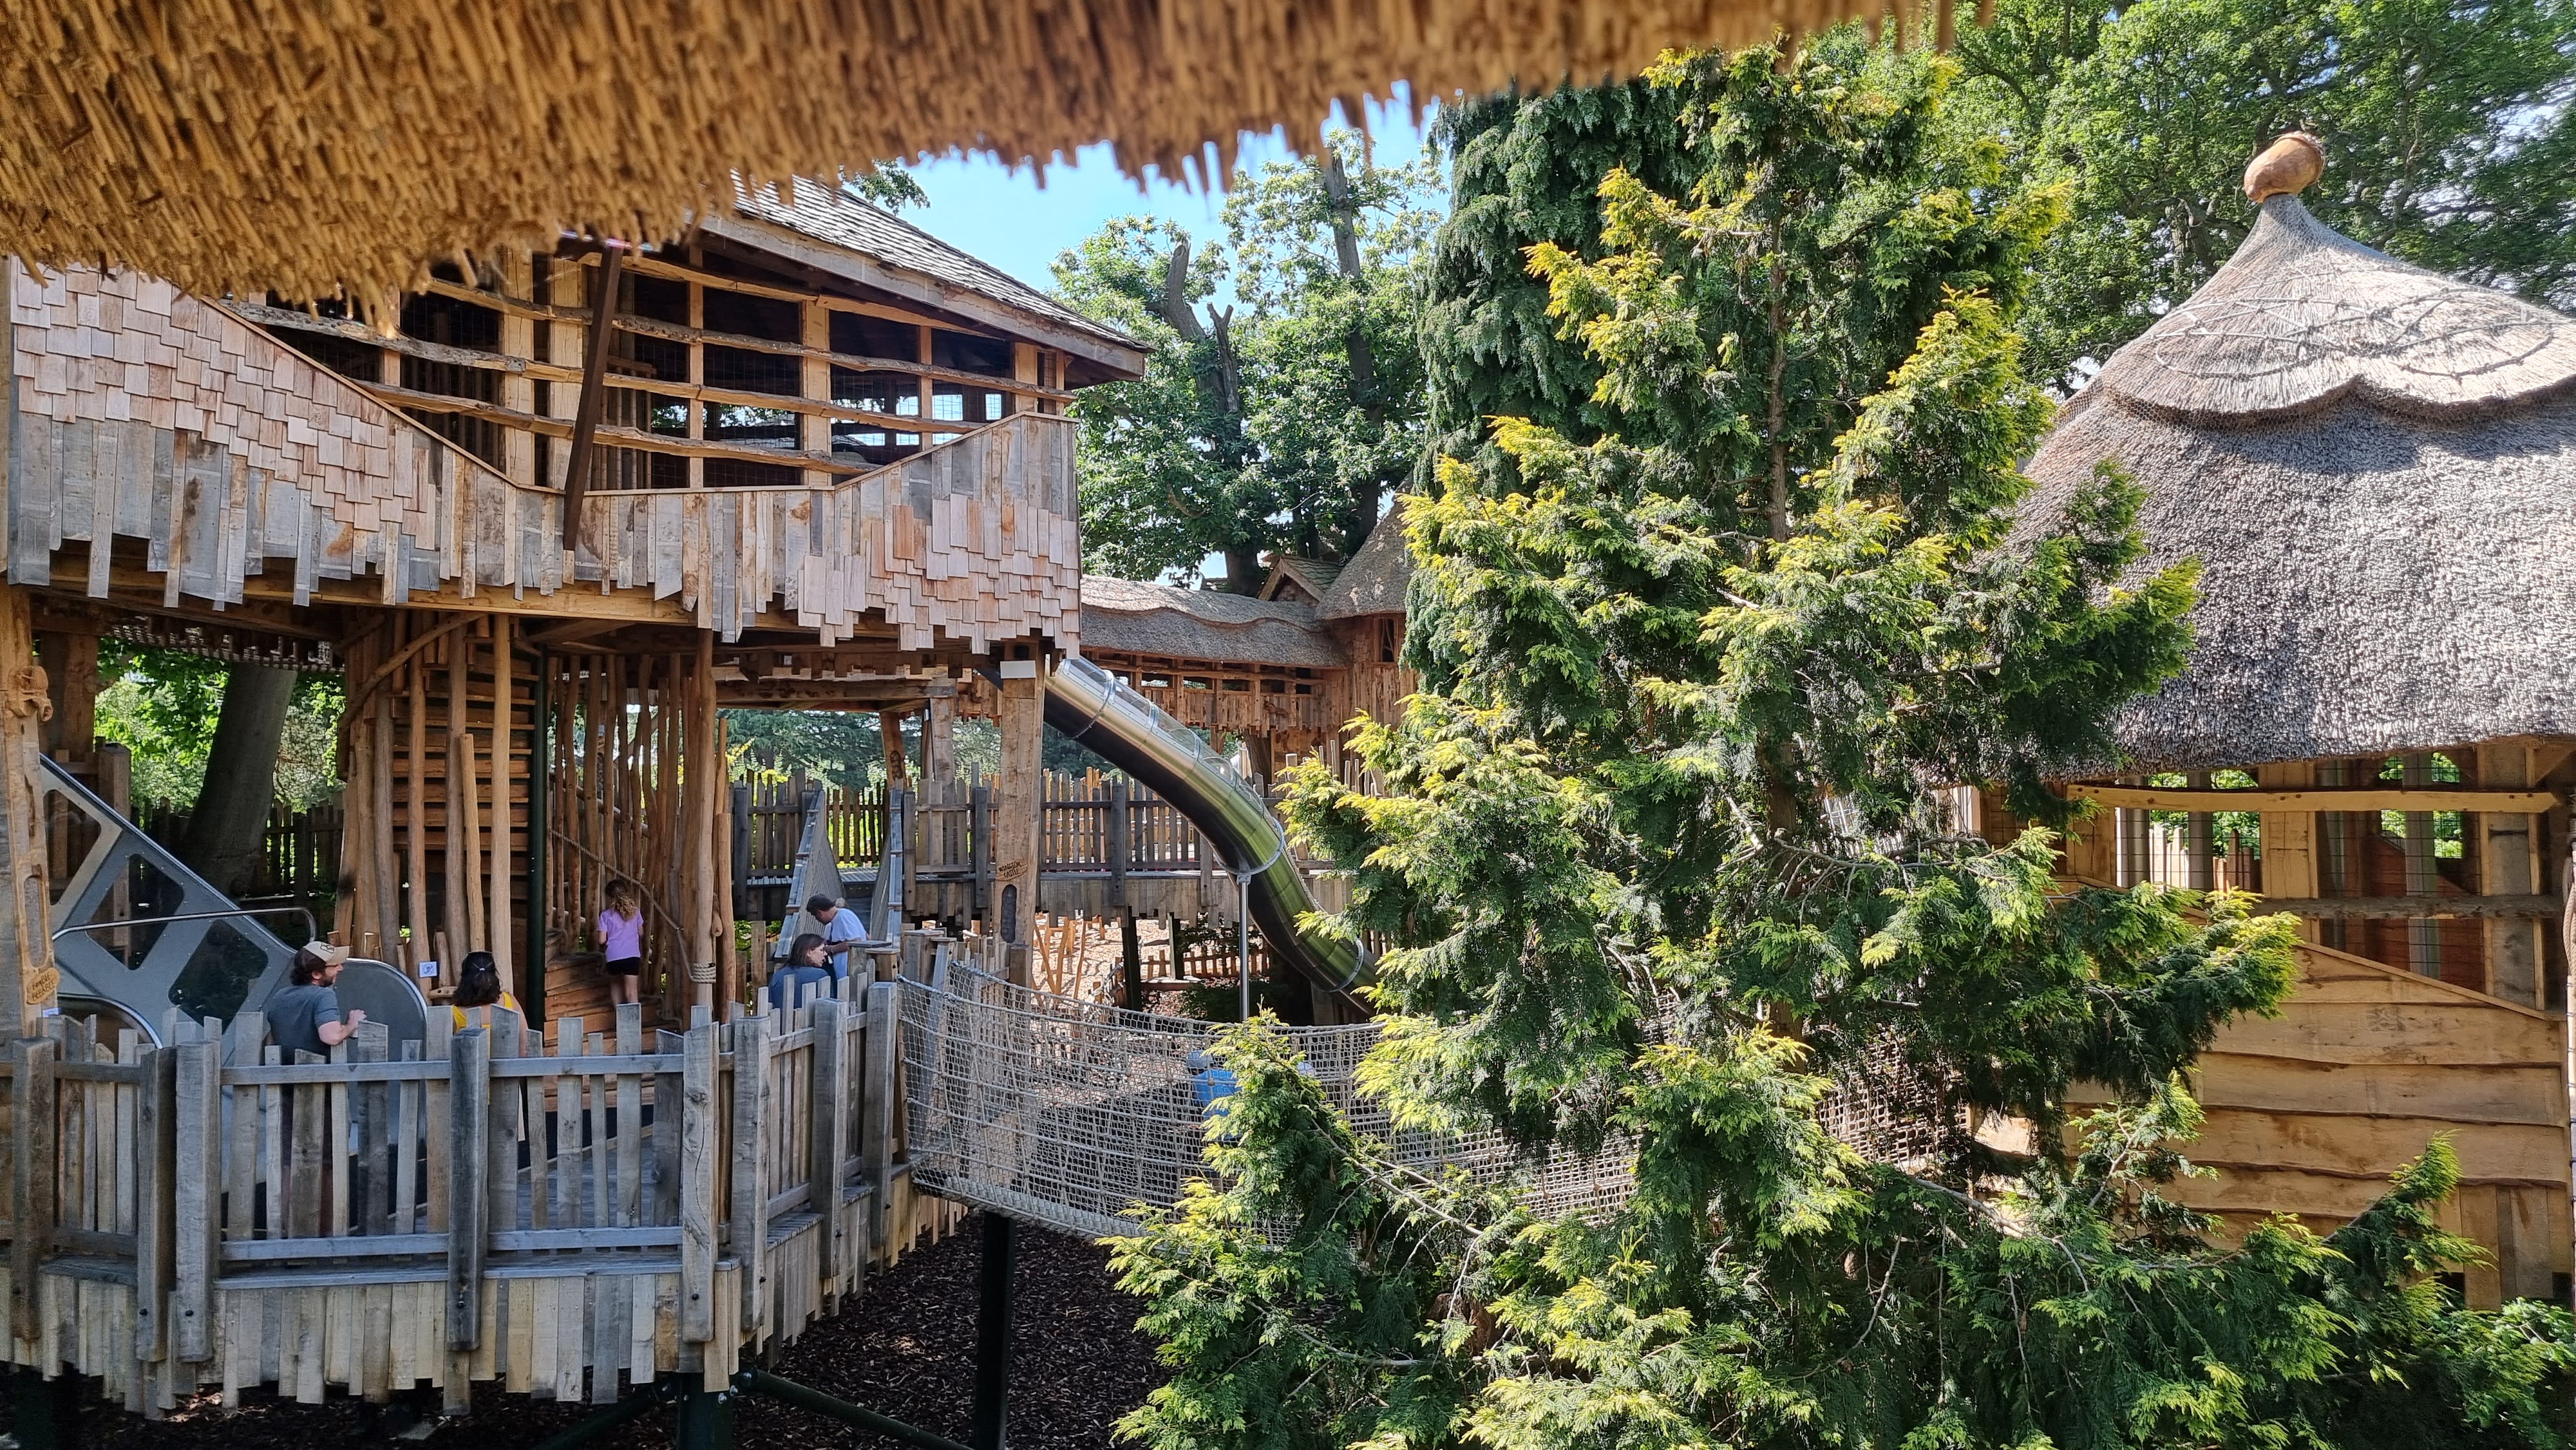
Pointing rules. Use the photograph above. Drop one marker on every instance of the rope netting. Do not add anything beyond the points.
(1067, 1114)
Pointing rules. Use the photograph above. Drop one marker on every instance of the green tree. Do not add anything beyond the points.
(1667, 862)
(2447, 132)
(1275, 422)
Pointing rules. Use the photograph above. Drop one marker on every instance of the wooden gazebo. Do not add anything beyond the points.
(2375, 467)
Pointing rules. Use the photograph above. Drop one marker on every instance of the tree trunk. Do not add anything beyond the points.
(231, 815)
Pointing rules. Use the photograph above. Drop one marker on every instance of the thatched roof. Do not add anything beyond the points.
(232, 146)
(877, 249)
(2376, 467)
(1374, 581)
(1123, 616)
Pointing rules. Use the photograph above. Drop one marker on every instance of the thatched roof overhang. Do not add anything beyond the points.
(2376, 468)
(1125, 617)
(235, 147)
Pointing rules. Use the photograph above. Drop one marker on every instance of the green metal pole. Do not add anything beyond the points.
(993, 1333)
(705, 1421)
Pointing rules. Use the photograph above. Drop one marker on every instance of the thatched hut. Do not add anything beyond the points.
(2376, 468)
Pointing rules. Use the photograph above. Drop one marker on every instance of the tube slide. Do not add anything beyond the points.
(1123, 727)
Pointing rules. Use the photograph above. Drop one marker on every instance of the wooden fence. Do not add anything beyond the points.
(478, 1206)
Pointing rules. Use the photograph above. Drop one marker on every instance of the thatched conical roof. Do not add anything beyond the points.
(2376, 467)
(239, 144)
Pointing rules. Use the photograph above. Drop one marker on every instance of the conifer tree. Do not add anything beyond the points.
(1672, 862)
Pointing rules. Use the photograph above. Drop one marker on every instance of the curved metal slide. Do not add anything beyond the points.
(1126, 729)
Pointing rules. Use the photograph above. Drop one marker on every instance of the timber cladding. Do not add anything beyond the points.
(2311, 1112)
(144, 413)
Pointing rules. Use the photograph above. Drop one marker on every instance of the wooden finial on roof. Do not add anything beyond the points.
(2286, 167)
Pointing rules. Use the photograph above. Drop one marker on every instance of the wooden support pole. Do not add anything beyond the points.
(1019, 803)
(2508, 865)
(939, 738)
(750, 1171)
(877, 1109)
(828, 1104)
(31, 1180)
(594, 394)
(699, 1166)
(197, 1176)
(458, 880)
(27, 972)
(469, 1157)
(898, 764)
(70, 662)
(498, 942)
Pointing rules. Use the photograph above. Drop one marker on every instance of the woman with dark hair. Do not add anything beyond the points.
(478, 985)
(806, 972)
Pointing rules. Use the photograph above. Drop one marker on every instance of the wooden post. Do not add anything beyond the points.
(1020, 802)
(2423, 872)
(31, 1179)
(878, 1049)
(829, 1110)
(898, 765)
(2509, 865)
(27, 972)
(155, 1201)
(594, 391)
(2289, 839)
(196, 1174)
(979, 817)
(740, 816)
(715, 969)
(469, 1195)
(460, 875)
(939, 738)
(698, 1170)
(71, 675)
(751, 1170)
(498, 943)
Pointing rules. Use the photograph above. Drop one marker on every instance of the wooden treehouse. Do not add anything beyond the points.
(548, 517)
(2373, 466)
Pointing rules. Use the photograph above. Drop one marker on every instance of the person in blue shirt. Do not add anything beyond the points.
(804, 975)
(840, 928)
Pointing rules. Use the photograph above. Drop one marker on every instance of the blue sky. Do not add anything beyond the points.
(1006, 218)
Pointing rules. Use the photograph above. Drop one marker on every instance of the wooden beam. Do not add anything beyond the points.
(291, 320)
(2363, 798)
(585, 420)
(1018, 802)
(2349, 908)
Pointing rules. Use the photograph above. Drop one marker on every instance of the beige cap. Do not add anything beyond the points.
(329, 954)
(2286, 167)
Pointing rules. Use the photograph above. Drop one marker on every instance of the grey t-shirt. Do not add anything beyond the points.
(295, 1018)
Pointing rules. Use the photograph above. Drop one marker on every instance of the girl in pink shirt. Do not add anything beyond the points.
(621, 940)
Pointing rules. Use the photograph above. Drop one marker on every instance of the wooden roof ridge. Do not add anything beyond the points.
(1130, 616)
(876, 248)
(1315, 576)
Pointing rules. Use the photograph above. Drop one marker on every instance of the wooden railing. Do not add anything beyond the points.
(478, 1205)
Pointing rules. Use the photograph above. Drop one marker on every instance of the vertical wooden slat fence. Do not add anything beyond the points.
(569, 1217)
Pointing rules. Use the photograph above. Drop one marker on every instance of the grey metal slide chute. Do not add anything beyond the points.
(1127, 730)
(139, 933)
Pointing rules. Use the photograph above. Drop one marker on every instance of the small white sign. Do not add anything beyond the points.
(427, 969)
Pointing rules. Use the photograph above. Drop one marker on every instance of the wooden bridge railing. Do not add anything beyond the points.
(481, 1205)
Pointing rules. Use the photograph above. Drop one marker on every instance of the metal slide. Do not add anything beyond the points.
(1126, 729)
(136, 934)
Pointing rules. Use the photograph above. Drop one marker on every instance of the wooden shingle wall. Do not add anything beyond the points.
(146, 413)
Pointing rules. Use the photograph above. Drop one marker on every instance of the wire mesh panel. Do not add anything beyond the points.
(1069, 1113)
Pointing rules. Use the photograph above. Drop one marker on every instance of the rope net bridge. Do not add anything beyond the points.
(1067, 1114)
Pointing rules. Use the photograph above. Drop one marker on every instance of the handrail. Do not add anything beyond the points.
(310, 934)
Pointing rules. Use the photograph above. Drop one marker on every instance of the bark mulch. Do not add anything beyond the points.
(905, 1348)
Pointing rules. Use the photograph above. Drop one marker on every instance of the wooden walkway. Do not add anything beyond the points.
(551, 1217)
